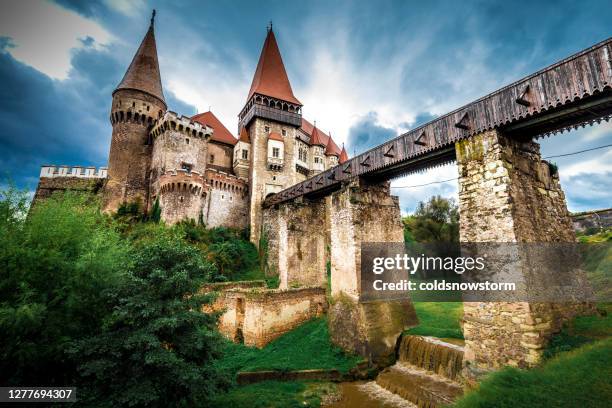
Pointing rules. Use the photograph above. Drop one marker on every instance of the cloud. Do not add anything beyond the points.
(45, 34)
(55, 122)
(364, 79)
(367, 133)
(127, 7)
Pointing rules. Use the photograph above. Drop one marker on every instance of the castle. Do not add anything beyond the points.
(195, 168)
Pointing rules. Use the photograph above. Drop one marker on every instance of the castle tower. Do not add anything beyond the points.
(138, 102)
(271, 117)
(242, 155)
(332, 153)
(318, 150)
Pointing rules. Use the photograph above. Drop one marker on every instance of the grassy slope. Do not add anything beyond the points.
(438, 319)
(306, 347)
(580, 378)
(576, 378)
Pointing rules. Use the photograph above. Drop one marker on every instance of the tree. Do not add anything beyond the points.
(156, 348)
(434, 221)
(54, 266)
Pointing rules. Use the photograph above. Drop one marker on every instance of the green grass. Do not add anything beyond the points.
(438, 319)
(306, 347)
(579, 378)
(273, 394)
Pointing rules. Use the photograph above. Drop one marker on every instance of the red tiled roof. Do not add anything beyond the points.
(143, 72)
(332, 148)
(316, 137)
(244, 136)
(220, 132)
(270, 77)
(343, 155)
(275, 136)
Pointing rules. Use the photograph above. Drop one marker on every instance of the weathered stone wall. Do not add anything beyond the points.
(180, 196)
(362, 212)
(508, 194)
(300, 243)
(220, 156)
(270, 243)
(263, 180)
(226, 203)
(47, 186)
(258, 316)
(132, 115)
(172, 150)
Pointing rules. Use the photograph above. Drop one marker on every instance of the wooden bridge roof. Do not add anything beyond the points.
(569, 93)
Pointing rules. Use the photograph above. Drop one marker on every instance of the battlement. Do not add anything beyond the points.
(172, 121)
(182, 181)
(52, 171)
(221, 180)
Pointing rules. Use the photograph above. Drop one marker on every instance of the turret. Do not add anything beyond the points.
(332, 153)
(318, 150)
(242, 154)
(271, 117)
(138, 101)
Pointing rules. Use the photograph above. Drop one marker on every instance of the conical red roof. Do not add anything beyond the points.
(220, 132)
(270, 76)
(317, 138)
(343, 155)
(332, 148)
(244, 135)
(143, 73)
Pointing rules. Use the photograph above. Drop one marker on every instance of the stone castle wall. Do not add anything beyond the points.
(257, 316)
(47, 186)
(220, 156)
(226, 203)
(181, 196)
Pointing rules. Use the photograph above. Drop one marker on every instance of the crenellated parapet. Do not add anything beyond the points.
(131, 116)
(220, 180)
(172, 121)
(182, 181)
(52, 171)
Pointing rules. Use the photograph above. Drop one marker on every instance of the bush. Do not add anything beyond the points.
(54, 267)
(156, 348)
(234, 256)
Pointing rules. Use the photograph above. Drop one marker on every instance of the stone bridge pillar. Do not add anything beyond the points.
(362, 212)
(508, 194)
(295, 235)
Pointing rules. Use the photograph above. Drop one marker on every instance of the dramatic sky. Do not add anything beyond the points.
(365, 71)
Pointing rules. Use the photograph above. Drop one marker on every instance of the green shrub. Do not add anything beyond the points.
(156, 348)
(54, 266)
(577, 379)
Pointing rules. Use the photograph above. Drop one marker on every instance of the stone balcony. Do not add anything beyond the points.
(275, 163)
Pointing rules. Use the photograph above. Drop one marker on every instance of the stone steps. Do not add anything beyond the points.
(423, 388)
(368, 395)
(425, 376)
(432, 354)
